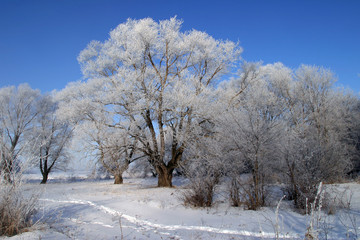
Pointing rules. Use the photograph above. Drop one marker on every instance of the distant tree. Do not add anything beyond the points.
(51, 136)
(18, 109)
(113, 148)
(150, 78)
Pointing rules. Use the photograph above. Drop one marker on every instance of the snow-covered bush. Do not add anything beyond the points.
(200, 192)
(204, 175)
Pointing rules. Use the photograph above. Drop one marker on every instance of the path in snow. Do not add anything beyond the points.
(139, 225)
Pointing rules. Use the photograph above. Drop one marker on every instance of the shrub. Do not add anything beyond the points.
(200, 192)
(242, 192)
(16, 210)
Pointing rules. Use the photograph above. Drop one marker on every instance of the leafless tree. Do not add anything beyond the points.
(51, 137)
(18, 109)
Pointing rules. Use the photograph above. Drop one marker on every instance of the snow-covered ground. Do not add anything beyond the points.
(137, 209)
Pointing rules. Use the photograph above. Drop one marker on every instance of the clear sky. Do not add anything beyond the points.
(41, 39)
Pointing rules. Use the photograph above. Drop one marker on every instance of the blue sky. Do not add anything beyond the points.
(41, 39)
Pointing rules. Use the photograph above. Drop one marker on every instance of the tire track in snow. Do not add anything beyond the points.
(154, 226)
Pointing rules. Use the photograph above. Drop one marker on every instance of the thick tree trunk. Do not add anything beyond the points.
(45, 178)
(164, 177)
(118, 179)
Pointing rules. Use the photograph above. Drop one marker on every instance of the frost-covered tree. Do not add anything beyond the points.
(318, 122)
(251, 130)
(18, 109)
(115, 153)
(354, 137)
(150, 78)
(112, 148)
(50, 136)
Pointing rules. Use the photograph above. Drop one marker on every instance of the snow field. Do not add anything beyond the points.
(139, 210)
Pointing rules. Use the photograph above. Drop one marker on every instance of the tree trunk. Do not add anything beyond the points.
(164, 177)
(7, 177)
(118, 179)
(45, 177)
(256, 181)
(295, 191)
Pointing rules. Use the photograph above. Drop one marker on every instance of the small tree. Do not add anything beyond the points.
(51, 136)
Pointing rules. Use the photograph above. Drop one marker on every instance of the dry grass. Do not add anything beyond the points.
(16, 210)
